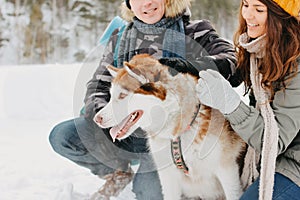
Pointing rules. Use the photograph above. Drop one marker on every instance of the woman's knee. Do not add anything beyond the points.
(251, 192)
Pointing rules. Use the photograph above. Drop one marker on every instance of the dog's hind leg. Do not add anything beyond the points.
(230, 181)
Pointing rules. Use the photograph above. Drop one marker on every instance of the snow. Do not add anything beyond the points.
(33, 99)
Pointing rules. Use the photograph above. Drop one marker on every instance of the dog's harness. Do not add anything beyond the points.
(176, 149)
(177, 155)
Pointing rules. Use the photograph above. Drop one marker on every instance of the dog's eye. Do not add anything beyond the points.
(122, 95)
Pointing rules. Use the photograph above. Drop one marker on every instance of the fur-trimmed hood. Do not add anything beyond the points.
(172, 9)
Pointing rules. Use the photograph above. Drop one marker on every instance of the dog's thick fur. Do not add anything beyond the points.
(165, 106)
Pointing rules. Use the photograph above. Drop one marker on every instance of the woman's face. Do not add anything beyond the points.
(148, 11)
(255, 14)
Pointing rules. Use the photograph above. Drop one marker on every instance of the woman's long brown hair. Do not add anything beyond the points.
(282, 49)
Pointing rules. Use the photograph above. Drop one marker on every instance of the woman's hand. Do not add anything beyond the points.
(216, 92)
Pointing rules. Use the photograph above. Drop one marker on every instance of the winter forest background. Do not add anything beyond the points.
(65, 31)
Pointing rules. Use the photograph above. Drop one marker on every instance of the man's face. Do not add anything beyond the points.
(148, 11)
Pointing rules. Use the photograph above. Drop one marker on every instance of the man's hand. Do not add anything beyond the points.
(179, 65)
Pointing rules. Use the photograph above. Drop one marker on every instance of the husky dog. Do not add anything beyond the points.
(195, 150)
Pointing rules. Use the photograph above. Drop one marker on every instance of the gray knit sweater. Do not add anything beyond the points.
(249, 124)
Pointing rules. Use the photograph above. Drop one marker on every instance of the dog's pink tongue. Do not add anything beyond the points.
(117, 130)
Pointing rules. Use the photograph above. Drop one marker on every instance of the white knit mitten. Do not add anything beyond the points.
(216, 92)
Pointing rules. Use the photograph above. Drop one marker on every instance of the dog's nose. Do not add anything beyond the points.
(98, 119)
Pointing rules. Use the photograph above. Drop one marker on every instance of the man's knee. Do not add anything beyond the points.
(59, 135)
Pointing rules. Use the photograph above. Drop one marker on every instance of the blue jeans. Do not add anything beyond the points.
(83, 142)
(284, 189)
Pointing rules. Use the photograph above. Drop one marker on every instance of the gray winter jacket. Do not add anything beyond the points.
(204, 42)
(248, 123)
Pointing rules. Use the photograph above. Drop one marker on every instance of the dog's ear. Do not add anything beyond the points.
(112, 70)
(130, 66)
(135, 73)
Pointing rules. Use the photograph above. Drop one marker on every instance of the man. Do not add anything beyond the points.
(161, 28)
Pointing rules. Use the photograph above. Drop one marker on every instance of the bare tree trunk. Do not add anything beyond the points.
(54, 29)
(18, 30)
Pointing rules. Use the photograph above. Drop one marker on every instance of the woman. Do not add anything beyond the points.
(158, 27)
(268, 49)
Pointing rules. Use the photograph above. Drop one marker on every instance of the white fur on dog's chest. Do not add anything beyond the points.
(202, 160)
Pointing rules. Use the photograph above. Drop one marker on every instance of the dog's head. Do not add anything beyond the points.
(142, 95)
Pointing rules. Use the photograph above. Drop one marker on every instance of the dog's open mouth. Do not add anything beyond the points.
(121, 129)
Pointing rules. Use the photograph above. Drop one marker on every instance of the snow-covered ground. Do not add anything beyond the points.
(33, 99)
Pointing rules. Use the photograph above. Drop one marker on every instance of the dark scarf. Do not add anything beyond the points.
(173, 37)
